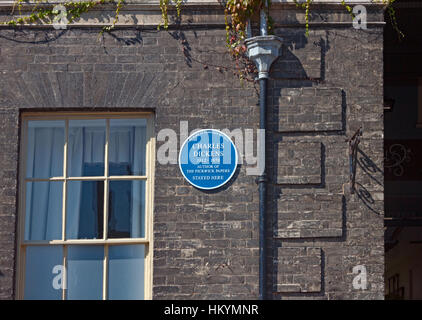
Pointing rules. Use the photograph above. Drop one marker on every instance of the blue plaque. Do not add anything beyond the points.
(208, 159)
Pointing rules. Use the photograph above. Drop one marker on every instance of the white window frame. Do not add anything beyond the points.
(147, 241)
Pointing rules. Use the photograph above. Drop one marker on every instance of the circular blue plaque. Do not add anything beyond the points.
(208, 159)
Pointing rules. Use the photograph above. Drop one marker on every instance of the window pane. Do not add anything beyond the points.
(44, 272)
(45, 148)
(43, 220)
(127, 146)
(84, 209)
(126, 215)
(126, 272)
(86, 148)
(85, 272)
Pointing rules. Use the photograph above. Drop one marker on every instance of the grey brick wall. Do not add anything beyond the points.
(318, 230)
(308, 109)
(8, 190)
(298, 270)
(298, 163)
(206, 243)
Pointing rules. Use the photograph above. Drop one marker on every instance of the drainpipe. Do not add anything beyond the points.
(263, 50)
(262, 185)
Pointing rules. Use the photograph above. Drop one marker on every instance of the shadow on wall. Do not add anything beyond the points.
(370, 169)
(297, 96)
(19, 35)
(133, 40)
(185, 46)
(362, 195)
(296, 69)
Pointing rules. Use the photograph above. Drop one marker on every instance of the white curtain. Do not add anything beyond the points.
(85, 146)
(44, 199)
(127, 145)
(138, 187)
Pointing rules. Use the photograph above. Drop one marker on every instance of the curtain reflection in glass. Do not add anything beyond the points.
(45, 148)
(40, 262)
(126, 272)
(126, 209)
(43, 216)
(85, 272)
(86, 145)
(84, 209)
(127, 147)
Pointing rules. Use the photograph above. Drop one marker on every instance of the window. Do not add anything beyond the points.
(85, 220)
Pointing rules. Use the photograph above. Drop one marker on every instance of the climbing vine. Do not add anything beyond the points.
(48, 15)
(393, 20)
(306, 4)
(164, 6)
(238, 14)
(116, 17)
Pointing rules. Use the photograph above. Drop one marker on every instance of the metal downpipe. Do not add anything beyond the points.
(262, 180)
(262, 184)
(263, 50)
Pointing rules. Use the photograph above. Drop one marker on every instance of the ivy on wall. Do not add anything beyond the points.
(306, 5)
(238, 13)
(47, 15)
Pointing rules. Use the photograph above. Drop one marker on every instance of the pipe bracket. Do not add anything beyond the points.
(263, 51)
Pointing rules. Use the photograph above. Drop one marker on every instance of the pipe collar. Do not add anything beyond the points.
(263, 51)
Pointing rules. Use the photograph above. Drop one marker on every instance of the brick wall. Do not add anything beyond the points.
(206, 243)
(318, 230)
